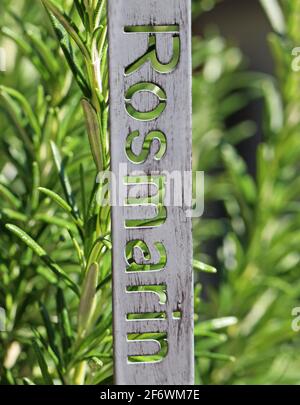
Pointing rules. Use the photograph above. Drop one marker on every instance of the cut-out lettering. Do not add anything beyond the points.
(152, 28)
(153, 346)
(155, 200)
(160, 290)
(146, 87)
(146, 147)
(152, 57)
(132, 265)
(150, 129)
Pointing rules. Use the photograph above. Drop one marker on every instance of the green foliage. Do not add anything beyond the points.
(55, 251)
(55, 241)
(259, 256)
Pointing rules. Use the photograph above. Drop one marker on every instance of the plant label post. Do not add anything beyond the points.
(150, 124)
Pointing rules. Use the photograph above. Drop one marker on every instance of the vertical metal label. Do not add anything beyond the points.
(150, 130)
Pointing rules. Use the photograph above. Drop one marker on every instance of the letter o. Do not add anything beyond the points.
(150, 88)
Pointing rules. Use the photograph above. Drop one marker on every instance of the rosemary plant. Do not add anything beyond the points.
(74, 267)
(259, 257)
(55, 250)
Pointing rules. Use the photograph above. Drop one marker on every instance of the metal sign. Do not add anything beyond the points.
(150, 124)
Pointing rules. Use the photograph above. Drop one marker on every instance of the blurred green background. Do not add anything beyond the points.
(246, 121)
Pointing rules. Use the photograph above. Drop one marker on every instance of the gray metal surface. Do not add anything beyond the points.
(172, 230)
